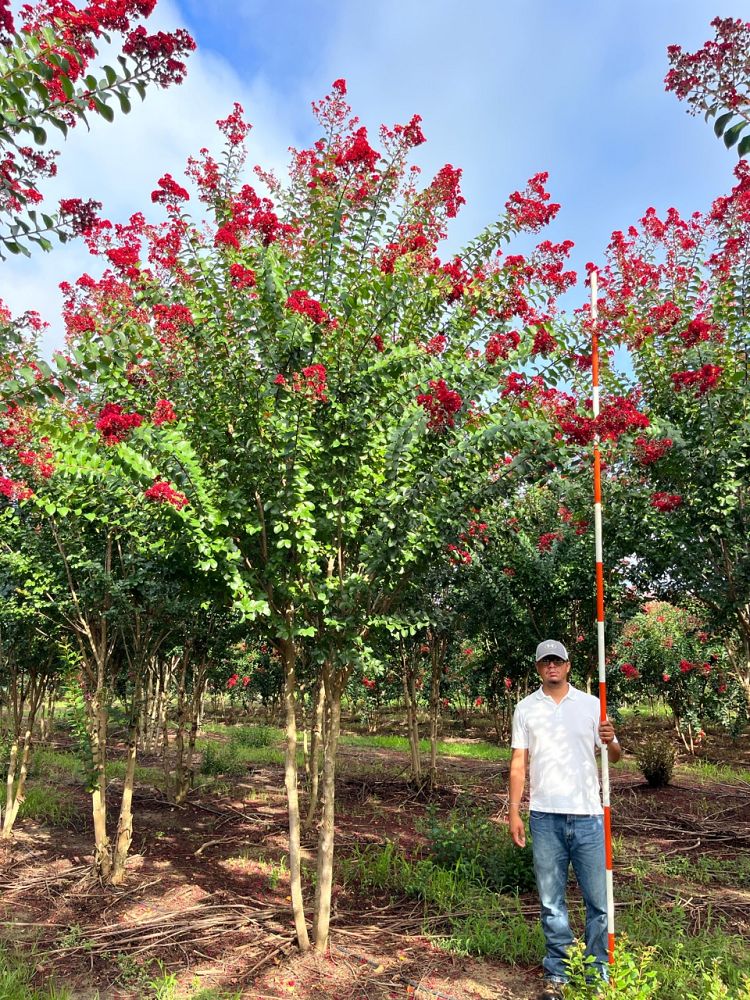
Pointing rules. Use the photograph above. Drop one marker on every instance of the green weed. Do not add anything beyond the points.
(45, 805)
(477, 751)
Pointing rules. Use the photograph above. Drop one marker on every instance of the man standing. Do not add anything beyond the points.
(556, 731)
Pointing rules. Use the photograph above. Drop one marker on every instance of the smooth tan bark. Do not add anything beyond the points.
(316, 735)
(125, 820)
(324, 883)
(288, 653)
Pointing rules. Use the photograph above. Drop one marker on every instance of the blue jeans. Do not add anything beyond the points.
(559, 840)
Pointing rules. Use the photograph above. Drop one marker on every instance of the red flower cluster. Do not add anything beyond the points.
(369, 683)
(14, 490)
(312, 381)
(545, 542)
(301, 302)
(242, 277)
(617, 416)
(163, 413)
(459, 276)
(446, 188)
(234, 126)
(162, 491)
(357, 152)
(436, 345)
(499, 345)
(648, 452)
(698, 331)
(441, 403)
(686, 666)
(161, 49)
(713, 74)
(458, 556)
(544, 342)
(80, 215)
(630, 671)
(378, 342)
(666, 502)
(703, 379)
(412, 240)
(113, 424)
(532, 209)
(169, 192)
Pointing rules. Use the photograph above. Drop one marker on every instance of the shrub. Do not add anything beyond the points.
(656, 761)
(480, 850)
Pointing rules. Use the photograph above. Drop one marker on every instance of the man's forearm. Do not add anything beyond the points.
(516, 784)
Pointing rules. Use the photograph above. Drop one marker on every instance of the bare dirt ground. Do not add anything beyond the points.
(207, 887)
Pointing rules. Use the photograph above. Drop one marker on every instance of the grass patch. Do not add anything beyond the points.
(476, 920)
(54, 763)
(15, 980)
(143, 775)
(476, 751)
(45, 805)
(234, 759)
(704, 770)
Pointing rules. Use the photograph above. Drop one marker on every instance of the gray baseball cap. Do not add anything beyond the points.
(551, 648)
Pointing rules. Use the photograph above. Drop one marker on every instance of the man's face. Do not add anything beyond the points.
(553, 670)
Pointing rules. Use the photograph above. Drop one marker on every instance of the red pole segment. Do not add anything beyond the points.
(600, 624)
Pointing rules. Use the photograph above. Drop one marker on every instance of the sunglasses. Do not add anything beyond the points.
(552, 659)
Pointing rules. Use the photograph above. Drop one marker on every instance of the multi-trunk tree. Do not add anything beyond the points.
(313, 396)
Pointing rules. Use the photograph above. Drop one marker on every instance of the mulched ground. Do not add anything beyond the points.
(206, 893)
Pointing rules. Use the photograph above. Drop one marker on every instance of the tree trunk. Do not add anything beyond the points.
(322, 915)
(316, 731)
(179, 779)
(125, 821)
(437, 657)
(98, 732)
(288, 653)
(412, 722)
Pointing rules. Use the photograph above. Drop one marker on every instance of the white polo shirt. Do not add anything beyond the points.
(560, 738)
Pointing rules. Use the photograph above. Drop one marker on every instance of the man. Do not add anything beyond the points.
(556, 731)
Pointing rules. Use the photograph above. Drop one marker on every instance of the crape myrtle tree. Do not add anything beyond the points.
(676, 292)
(312, 396)
(48, 79)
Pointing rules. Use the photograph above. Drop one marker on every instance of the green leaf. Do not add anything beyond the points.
(732, 135)
(722, 121)
(744, 147)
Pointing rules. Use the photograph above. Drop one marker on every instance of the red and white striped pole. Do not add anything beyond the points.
(600, 624)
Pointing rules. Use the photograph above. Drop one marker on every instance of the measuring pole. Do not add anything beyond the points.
(600, 623)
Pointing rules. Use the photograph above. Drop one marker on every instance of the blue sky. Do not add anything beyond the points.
(504, 90)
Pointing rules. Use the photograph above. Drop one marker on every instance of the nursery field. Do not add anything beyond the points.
(430, 899)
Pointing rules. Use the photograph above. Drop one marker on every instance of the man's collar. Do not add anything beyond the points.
(570, 693)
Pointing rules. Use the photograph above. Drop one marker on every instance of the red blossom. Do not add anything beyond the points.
(702, 380)
(499, 345)
(546, 540)
(440, 404)
(232, 682)
(234, 126)
(80, 215)
(666, 502)
(242, 277)
(169, 192)
(162, 491)
(302, 302)
(113, 424)
(648, 452)
(14, 490)
(378, 342)
(436, 345)
(163, 413)
(544, 342)
(311, 381)
(458, 556)
(630, 671)
(532, 209)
